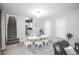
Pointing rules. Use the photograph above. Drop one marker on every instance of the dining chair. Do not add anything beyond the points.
(28, 43)
(45, 42)
(38, 44)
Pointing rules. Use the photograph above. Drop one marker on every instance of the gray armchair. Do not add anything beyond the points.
(59, 47)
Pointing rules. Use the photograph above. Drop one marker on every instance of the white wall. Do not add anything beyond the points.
(20, 28)
(72, 25)
(3, 30)
(61, 28)
(36, 25)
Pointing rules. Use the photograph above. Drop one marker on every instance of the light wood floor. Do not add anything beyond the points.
(19, 49)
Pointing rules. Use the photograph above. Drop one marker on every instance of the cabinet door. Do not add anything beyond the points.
(0, 33)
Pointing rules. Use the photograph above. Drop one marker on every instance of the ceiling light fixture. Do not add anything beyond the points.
(38, 12)
(26, 18)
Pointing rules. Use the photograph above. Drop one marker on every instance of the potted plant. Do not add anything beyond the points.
(69, 36)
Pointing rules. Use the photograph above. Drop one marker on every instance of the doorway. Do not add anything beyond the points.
(12, 30)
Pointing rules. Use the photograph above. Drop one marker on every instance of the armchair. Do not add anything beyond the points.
(59, 47)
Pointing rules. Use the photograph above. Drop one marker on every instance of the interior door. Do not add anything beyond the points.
(0, 33)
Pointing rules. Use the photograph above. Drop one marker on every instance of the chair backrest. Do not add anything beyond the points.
(59, 47)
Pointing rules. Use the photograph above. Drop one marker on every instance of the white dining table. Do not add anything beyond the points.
(32, 38)
(35, 38)
(44, 36)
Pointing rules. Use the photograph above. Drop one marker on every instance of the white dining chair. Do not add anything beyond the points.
(28, 43)
(38, 44)
(45, 42)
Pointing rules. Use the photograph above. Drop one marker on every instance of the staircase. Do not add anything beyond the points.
(12, 31)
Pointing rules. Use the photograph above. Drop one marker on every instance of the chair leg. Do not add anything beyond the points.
(35, 45)
(47, 43)
(43, 43)
(26, 46)
(40, 45)
(29, 45)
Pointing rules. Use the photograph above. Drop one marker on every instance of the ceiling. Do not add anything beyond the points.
(52, 9)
